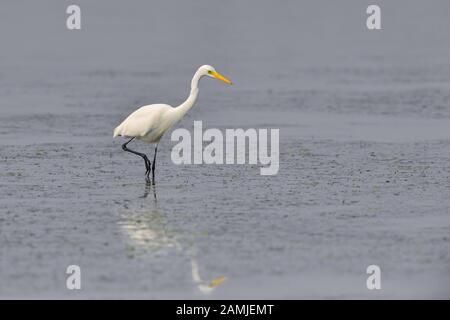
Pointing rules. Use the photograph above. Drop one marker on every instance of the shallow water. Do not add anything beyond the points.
(364, 152)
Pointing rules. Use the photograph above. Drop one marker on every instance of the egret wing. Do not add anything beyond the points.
(142, 121)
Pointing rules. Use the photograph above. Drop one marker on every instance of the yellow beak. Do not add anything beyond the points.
(220, 77)
(217, 281)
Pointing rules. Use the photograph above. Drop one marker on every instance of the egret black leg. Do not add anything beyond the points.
(153, 165)
(147, 162)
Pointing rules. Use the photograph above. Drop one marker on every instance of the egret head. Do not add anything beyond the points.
(209, 71)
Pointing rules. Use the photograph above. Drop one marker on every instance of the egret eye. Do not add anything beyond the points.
(209, 71)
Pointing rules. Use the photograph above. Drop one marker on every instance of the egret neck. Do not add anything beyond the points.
(190, 101)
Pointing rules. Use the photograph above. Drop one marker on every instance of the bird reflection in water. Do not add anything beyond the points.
(147, 227)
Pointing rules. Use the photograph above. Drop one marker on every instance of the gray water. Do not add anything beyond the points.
(364, 177)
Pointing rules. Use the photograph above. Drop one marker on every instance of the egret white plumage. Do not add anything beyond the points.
(149, 123)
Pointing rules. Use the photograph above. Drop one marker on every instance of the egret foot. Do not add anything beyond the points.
(148, 168)
(143, 155)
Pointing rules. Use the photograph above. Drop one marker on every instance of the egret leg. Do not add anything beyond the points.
(153, 165)
(147, 162)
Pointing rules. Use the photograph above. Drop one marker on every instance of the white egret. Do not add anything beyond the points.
(150, 122)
